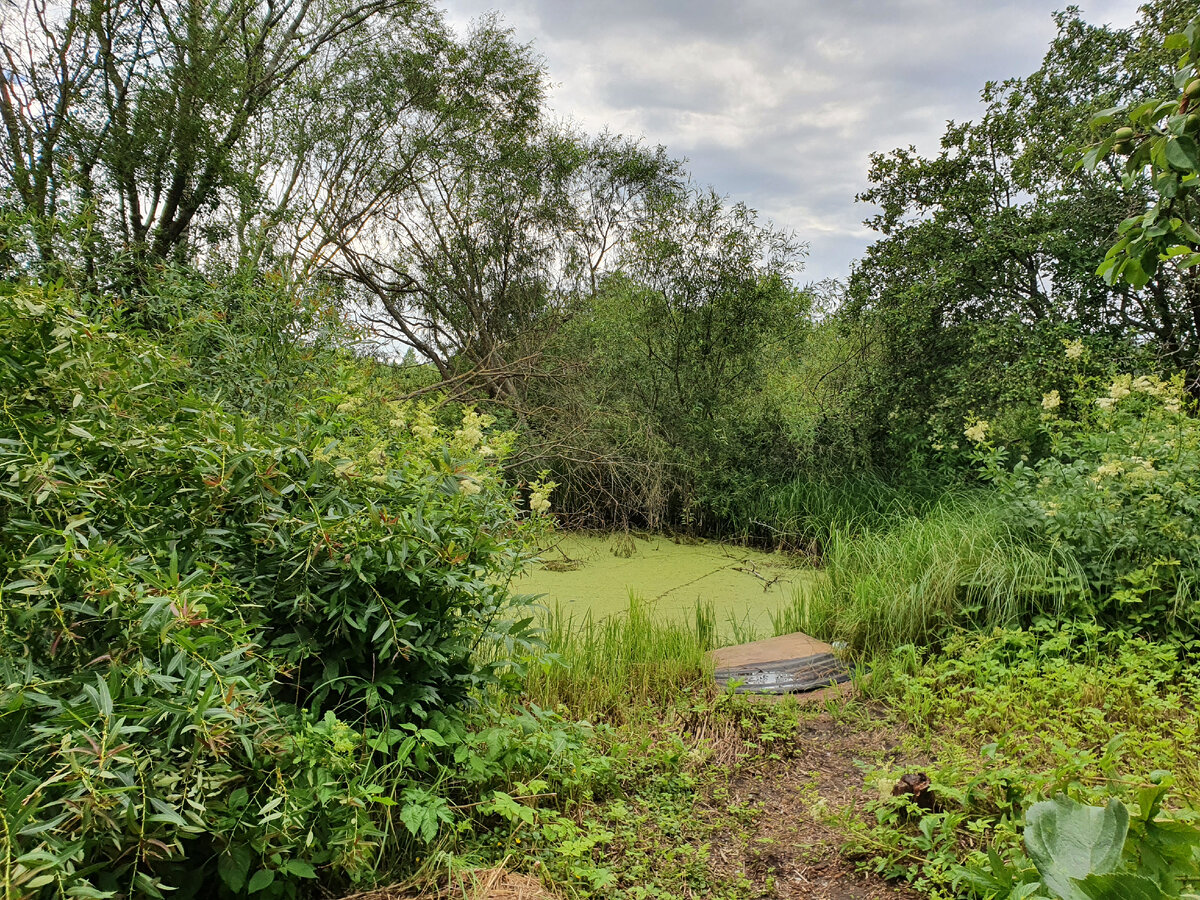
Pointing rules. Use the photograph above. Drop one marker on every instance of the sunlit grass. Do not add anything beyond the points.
(608, 667)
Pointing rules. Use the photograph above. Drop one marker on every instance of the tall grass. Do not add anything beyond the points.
(609, 667)
(907, 580)
(804, 514)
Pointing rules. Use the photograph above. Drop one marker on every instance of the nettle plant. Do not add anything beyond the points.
(1120, 491)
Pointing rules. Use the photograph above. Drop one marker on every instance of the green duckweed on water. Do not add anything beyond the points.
(596, 573)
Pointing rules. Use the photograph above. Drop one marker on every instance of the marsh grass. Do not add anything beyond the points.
(910, 579)
(806, 513)
(608, 668)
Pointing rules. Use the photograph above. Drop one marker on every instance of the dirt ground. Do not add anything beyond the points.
(788, 850)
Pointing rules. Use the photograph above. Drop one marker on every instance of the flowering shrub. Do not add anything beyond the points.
(195, 604)
(1121, 491)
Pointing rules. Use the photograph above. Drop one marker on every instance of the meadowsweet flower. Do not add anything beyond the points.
(1051, 401)
(1074, 349)
(1109, 469)
(1173, 405)
(539, 502)
(977, 432)
(469, 486)
(1120, 387)
(1106, 402)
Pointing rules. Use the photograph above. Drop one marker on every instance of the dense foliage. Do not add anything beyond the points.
(199, 606)
(256, 627)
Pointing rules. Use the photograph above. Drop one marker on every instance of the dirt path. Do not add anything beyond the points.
(788, 848)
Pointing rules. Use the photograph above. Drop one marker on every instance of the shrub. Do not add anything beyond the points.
(204, 619)
(1121, 492)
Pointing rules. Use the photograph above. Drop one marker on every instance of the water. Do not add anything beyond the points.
(582, 573)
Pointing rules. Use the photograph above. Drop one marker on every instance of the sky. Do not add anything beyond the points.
(779, 103)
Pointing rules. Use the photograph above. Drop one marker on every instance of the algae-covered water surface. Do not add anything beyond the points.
(596, 573)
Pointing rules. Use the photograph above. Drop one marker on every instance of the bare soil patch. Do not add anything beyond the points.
(789, 847)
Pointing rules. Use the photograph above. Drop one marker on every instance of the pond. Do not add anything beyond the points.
(596, 573)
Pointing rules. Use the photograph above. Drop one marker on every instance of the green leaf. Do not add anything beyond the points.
(1120, 886)
(300, 868)
(234, 865)
(263, 878)
(1182, 154)
(1067, 841)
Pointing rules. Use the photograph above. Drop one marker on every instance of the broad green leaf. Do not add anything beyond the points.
(299, 868)
(1182, 154)
(1120, 886)
(1067, 840)
(262, 879)
(234, 865)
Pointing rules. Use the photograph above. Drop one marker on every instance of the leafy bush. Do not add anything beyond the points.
(193, 607)
(1016, 716)
(1120, 492)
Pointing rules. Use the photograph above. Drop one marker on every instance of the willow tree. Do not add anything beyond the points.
(138, 113)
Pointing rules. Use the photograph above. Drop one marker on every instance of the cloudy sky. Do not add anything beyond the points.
(779, 102)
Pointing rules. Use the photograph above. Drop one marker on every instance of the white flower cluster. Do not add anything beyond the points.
(977, 432)
(539, 502)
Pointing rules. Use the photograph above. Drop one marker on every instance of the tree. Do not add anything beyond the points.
(138, 112)
(654, 410)
(1159, 243)
(466, 241)
(995, 241)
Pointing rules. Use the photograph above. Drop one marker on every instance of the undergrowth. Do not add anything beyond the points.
(1014, 717)
(621, 666)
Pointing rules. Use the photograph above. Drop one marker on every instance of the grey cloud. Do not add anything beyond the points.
(780, 102)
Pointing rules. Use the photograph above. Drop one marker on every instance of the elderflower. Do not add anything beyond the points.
(424, 427)
(977, 433)
(1074, 349)
(1109, 469)
(1144, 384)
(539, 495)
(1051, 401)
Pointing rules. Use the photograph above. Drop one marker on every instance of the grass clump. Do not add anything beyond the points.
(905, 583)
(609, 667)
(806, 513)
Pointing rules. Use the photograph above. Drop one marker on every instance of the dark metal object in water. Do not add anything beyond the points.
(785, 676)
